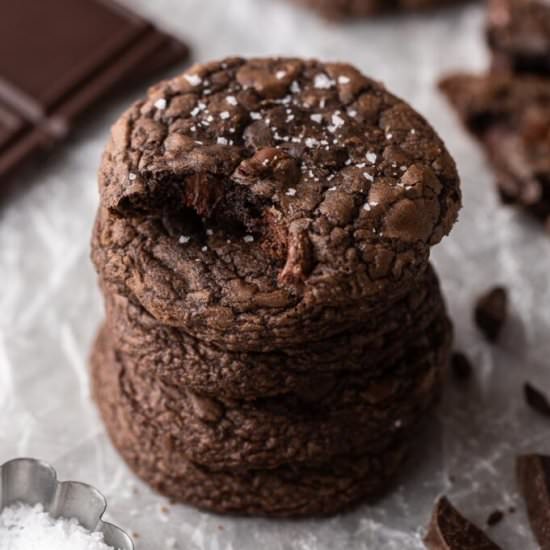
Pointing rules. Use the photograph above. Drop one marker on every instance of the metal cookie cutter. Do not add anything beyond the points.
(30, 481)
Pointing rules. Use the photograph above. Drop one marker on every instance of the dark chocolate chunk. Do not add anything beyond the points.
(58, 57)
(495, 517)
(491, 312)
(536, 400)
(461, 366)
(533, 476)
(449, 530)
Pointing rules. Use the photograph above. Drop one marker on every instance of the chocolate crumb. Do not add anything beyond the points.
(533, 477)
(495, 517)
(461, 366)
(491, 312)
(449, 530)
(536, 400)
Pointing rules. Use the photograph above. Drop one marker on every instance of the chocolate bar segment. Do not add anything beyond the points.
(59, 57)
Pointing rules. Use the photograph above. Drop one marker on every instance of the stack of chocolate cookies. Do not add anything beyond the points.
(275, 333)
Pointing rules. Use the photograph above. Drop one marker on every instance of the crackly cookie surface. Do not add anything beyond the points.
(511, 116)
(361, 8)
(351, 414)
(285, 491)
(180, 359)
(518, 32)
(255, 197)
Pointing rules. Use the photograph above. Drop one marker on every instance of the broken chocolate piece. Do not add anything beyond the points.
(461, 366)
(491, 312)
(495, 517)
(533, 476)
(449, 530)
(536, 400)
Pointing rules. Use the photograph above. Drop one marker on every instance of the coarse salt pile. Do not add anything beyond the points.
(24, 527)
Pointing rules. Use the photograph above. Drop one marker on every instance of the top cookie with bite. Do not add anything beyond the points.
(273, 193)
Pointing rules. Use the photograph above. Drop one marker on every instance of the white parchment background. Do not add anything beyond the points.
(49, 305)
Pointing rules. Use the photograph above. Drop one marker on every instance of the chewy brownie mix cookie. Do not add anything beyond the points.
(273, 324)
(510, 115)
(518, 33)
(259, 203)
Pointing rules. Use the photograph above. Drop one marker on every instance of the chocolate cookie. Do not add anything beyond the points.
(286, 491)
(510, 115)
(352, 416)
(518, 33)
(336, 9)
(182, 360)
(263, 203)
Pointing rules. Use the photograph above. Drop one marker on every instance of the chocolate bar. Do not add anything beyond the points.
(59, 57)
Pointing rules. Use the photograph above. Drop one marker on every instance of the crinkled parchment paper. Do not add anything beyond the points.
(50, 306)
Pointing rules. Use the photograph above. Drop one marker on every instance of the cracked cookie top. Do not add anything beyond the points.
(313, 169)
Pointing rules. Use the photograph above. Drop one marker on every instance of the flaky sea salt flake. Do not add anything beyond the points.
(161, 104)
(371, 157)
(323, 82)
(193, 79)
